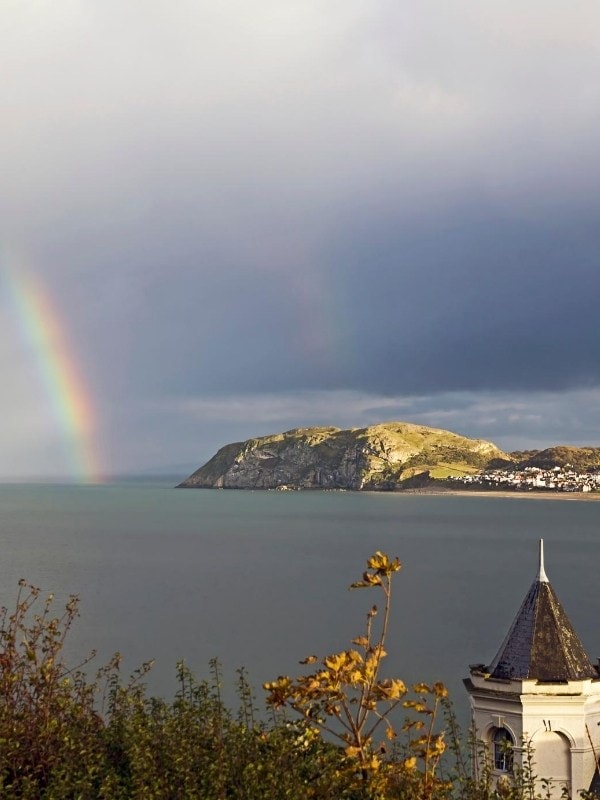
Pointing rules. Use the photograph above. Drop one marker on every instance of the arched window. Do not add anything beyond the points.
(503, 750)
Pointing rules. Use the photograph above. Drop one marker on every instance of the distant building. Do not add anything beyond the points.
(539, 696)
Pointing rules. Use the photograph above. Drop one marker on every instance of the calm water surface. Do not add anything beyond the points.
(259, 579)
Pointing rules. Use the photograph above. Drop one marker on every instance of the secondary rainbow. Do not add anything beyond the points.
(64, 389)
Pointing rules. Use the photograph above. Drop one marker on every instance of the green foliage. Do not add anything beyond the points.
(48, 723)
(64, 737)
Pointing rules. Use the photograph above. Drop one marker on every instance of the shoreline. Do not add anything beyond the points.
(570, 496)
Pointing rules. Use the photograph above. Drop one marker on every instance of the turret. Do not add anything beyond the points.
(538, 701)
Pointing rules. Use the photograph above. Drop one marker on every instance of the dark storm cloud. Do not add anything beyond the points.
(474, 301)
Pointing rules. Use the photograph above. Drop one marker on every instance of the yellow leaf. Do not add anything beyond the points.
(396, 565)
(440, 690)
(398, 687)
(374, 763)
(417, 725)
(421, 688)
(382, 564)
(335, 662)
(410, 763)
(354, 657)
(378, 561)
(371, 580)
(391, 689)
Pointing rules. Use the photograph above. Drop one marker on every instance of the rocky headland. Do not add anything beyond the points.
(386, 457)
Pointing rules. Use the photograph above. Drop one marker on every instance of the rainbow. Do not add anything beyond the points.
(63, 387)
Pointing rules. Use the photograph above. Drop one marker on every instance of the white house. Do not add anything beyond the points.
(539, 696)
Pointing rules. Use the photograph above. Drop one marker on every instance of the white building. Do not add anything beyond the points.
(539, 696)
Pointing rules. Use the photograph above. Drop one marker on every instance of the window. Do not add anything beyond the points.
(503, 750)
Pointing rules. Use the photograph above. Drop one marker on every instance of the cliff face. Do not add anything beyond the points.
(380, 457)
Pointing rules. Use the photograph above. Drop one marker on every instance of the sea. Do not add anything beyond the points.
(259, 580)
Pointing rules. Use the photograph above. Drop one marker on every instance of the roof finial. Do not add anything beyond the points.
(542, 572)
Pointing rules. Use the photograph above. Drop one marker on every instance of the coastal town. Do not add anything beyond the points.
(557, 479)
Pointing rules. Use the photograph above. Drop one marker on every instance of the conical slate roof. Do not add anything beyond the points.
(541, 643)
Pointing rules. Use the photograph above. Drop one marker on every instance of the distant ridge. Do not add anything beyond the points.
(580, 458)
(384, 457)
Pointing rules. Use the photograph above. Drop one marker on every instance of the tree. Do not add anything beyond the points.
(346, 698)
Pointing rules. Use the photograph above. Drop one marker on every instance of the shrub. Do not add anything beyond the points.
(51, 735)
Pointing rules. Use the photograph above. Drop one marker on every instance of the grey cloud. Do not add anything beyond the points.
(512, 420)
(233, 200)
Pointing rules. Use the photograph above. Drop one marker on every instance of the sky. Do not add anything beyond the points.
(241, 218)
